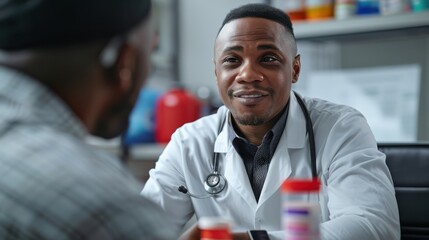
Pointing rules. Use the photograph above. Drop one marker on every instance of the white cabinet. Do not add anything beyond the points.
(377, 41)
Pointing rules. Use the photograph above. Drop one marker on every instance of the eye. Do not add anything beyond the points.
(269, 58)
(230, 59)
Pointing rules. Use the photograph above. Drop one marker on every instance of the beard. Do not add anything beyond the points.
(115, 120)
(249, 120)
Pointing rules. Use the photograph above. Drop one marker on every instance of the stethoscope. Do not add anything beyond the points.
(216, 183)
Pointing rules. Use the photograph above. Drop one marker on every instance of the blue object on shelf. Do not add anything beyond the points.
(420, 5)
(367, 7)
(141, 127)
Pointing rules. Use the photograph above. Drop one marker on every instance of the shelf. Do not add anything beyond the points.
(111, 146)
(146, 152)
(361, 25)
(139, 152)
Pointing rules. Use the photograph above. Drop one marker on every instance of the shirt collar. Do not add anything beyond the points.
(277, 130)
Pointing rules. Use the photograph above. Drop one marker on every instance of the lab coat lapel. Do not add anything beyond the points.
(237, 177)
(233, 168)
(293, 137)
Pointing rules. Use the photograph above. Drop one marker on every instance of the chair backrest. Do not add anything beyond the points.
(409, 166)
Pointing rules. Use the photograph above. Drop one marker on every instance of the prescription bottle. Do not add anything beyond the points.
(419, 5)
(389, 7)
(214, 228)
(345, 9)
(300, 209)
(367, 7)
(294, 8)
(319, 9)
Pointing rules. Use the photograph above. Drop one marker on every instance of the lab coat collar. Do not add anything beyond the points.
(295, 131)
(234, 171)
(222, 140)
(295, 127)
(293, 137)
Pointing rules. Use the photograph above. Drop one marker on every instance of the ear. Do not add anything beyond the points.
(214, 67)
(296, 68)
(124, 68)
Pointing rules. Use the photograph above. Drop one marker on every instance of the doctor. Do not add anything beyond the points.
(259, 139)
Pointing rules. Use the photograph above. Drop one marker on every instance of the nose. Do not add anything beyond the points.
(249, 73)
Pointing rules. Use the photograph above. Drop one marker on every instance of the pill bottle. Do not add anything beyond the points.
(294, 8)
(419, 5)
(214, 228)
(300, 209)
(319, 9)
(389, 7)
(345, 9)
(367, 7)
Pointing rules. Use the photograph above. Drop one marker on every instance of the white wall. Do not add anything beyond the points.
(199, 21)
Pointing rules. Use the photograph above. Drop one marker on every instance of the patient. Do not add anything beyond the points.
(70, 68)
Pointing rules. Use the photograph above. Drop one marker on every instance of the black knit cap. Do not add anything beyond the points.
(28, 24)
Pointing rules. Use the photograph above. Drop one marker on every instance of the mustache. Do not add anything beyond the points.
(255, 87)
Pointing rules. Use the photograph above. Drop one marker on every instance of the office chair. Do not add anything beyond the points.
(409, 166)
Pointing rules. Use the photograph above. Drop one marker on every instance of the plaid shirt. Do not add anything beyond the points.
(55, 186)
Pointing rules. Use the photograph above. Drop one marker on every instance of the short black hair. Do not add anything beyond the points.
(260, 10)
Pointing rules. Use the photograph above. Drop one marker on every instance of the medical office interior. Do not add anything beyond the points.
(374, 60)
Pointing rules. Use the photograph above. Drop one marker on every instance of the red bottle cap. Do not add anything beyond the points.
(214, 228)
(301, 185)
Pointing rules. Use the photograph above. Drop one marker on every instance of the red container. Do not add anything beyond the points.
(174, 108)
(214, 228)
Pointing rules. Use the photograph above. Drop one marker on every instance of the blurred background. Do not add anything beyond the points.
(370, 54)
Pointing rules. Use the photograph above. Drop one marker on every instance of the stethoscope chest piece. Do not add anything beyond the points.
(214, 183)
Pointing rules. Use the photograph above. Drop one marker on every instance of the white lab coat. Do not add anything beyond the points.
(357, 199)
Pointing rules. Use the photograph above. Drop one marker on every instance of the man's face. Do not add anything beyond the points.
(115, 119)
(255, 66)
